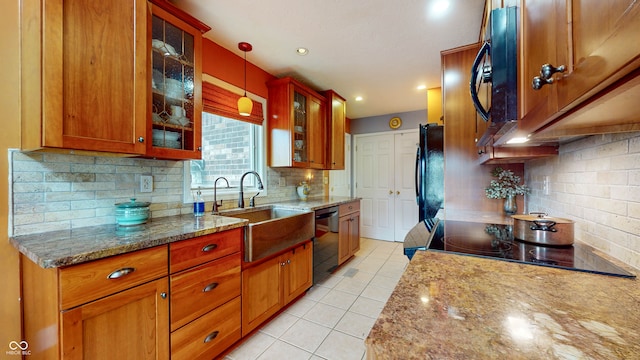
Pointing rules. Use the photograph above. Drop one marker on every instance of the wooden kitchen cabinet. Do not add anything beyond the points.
(112, 307)
(175, 96)
(336, 120)
(273, 283)
(205, 294)
(348, 230)
(295, 125)
(87, 83)
(596, 42)
(84, 79)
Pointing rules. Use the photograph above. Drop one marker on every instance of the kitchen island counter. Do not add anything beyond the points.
(449, 306)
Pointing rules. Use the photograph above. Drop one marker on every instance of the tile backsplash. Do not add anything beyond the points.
(595, 181)
(52, 191)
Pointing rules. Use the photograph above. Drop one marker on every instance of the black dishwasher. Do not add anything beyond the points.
(325, 243)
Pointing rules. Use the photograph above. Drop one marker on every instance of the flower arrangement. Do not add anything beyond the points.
(507, 184)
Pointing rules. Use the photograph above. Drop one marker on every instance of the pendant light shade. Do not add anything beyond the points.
(245, 105)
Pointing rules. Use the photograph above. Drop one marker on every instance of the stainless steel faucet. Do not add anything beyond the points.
(241, 195)
(215, 190)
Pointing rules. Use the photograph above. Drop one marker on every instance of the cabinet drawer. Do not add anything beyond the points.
(80, 284)
(208, 336)
(189, 253)
(197, 291)
(349, 208)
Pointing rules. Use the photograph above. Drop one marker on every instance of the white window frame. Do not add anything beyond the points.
(261, 159)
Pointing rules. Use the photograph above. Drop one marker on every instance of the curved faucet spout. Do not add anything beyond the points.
(215, 190)
(241, 195)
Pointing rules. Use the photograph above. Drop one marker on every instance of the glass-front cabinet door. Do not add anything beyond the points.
(176, 99)
(300, 128)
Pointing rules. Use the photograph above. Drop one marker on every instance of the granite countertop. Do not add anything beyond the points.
(70, 247)
(315, 203)
(450, 306)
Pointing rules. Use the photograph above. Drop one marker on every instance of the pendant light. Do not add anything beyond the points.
(245, 105)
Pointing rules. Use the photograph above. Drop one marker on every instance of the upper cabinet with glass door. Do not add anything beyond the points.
(295, 125)
(175, 105)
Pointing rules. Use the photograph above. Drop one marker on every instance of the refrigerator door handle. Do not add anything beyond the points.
(418, 176)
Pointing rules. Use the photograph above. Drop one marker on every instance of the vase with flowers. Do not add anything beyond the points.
(506, 186)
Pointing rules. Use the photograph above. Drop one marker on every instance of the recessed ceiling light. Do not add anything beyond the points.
(440, 6)
(358, 98)
(302, 51)
(421, 87)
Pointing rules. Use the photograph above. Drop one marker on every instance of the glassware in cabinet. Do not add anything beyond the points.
(176, 103)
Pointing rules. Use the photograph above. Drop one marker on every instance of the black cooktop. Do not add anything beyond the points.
(497, 241)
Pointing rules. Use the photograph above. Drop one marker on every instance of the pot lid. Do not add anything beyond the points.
(132, 204)
(542, 217)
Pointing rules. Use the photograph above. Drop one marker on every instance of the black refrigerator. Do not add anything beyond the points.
(429, 176)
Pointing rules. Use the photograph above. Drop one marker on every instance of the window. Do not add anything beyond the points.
(230, 148)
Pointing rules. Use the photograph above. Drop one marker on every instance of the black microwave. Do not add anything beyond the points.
(494, 83)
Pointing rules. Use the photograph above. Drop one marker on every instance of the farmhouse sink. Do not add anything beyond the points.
(272, 229)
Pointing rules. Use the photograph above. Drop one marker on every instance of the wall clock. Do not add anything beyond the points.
(395, 122)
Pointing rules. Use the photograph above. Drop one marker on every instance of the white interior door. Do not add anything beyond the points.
(405, 205)
(340, 180)
(374, 184)
(385, 181)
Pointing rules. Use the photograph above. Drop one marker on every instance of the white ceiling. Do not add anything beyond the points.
(378, 49)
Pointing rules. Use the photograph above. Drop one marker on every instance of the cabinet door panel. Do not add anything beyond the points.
(95, 75)
(261, 293)
(298, 276)
(189, 253)
(199, 290)
(354, 233)
(541, 43)
(133, 324)
(604, 43)
(316, 138)
(209, 335)
(91, 280)
(343, 239)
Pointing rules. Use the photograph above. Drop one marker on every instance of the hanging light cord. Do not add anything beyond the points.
(245, 73)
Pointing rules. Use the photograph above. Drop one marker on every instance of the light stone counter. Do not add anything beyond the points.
(449, 306)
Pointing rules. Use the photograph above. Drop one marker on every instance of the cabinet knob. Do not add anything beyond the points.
(390, 192)
(199, 148)
(547, 70)
(141, 139)
(163, 295)
(397, 192)
(546, 76)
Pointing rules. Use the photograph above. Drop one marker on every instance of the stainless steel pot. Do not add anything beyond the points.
(539, 228)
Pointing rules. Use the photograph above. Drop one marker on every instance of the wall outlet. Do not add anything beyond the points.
(146, 183)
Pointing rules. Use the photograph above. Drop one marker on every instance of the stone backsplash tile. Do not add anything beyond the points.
(596, 182)
(53, 191)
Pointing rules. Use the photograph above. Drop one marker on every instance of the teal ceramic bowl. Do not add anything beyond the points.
(132, 213)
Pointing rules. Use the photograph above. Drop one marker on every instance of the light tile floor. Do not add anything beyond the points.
(332, 320)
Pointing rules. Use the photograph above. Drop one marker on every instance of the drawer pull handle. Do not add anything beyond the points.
(209, 247)
(121, 272)
(211, 336)
(210, 287)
